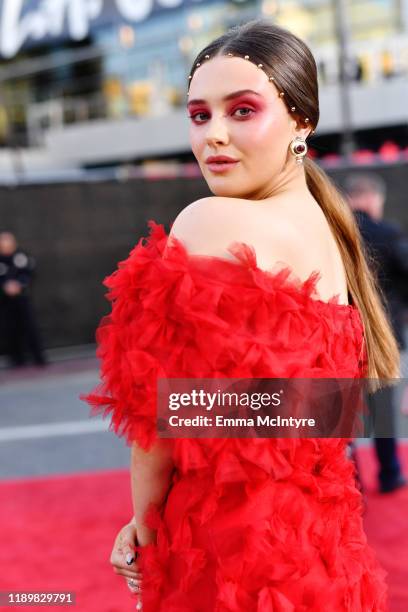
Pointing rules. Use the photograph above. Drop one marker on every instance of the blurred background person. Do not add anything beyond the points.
(19, 327)
(387, 247)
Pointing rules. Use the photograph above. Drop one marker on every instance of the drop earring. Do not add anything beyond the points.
(298, 148)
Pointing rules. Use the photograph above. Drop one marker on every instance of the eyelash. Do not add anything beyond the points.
(193, 116)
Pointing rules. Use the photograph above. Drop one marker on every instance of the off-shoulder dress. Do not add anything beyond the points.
(249, 525)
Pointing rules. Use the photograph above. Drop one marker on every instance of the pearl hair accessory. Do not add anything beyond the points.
(271, 78)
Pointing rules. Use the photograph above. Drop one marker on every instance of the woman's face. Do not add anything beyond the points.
(253, 128)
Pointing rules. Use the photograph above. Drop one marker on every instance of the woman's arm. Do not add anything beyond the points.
(151, 476)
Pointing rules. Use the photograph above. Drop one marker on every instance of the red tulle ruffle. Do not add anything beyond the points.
(262, 525)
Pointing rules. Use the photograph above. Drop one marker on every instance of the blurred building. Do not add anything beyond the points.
(101, 83)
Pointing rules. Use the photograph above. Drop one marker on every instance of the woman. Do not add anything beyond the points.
(252, 282)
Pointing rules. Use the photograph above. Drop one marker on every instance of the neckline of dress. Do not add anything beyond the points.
(236, 247)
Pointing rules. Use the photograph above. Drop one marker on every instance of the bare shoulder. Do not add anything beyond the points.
(200, 224)
(295, 236)
(209, 225)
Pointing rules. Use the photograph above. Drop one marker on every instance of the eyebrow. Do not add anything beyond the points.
(231, 96)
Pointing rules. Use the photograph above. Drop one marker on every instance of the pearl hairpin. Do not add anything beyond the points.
(270, 78)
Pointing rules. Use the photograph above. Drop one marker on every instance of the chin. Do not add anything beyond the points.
(224, 188)
(224, 191)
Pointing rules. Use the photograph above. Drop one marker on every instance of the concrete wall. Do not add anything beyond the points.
(79, 231)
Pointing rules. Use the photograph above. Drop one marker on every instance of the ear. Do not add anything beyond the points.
(300, 129)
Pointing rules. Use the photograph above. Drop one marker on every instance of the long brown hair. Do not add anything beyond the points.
(290, 61)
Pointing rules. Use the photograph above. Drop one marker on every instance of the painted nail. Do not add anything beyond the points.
(129, 558)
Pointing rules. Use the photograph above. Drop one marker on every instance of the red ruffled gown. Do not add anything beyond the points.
(249, 525)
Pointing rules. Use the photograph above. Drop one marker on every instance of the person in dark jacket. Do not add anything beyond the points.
(387, 247)
(19, 328)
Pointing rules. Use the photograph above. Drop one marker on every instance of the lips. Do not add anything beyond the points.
(221, 166)
(220, 163)
(220, 159)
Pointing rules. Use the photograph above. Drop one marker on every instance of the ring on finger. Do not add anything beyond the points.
(132, 584)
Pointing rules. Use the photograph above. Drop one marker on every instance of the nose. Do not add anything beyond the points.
(217, 131)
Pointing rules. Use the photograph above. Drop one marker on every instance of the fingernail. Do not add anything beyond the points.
(129, 558)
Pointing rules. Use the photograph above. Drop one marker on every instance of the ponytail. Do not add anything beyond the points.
(382, 353)
(295, 74)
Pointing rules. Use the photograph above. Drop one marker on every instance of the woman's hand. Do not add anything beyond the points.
(123, 556)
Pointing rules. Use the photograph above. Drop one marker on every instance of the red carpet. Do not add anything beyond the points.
(57, 533)
(386, 526)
